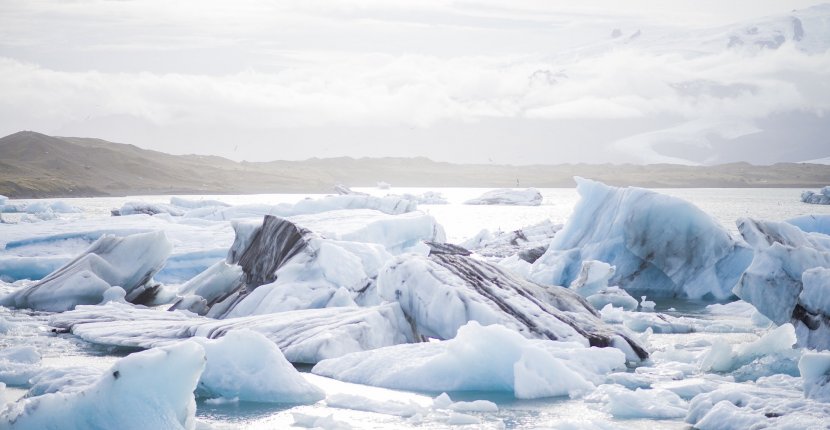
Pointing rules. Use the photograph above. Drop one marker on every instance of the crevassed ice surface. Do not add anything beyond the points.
(717, 353)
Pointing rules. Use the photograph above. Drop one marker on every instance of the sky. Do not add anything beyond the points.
(477, 81)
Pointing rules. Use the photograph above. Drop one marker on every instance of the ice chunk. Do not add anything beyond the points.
(815, 294)
(774, 282)
(360, 403)
(442, 292)
(812, 223)
(146, 208)
(527, 368)
(247, 366)
(621, 402)
(18, 364)
(660, 245)
(388, 205)
(820, 198)
(756, 405)
(194, 204)
(149, 389)
(508, 196)
(723, 357)
(529, 242)
(127, 262)
(305, 336)
(815, 370)
(615, 296)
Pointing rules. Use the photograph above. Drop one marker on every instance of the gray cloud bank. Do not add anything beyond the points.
(471, 82)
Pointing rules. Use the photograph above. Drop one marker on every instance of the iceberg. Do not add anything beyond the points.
(127, 262)
(146, 208)
(820, 198)
(660, 245)
(527, 368)
(529, 242)
(508, 196)
(280, 265)
(779, 282)
(441, 292)
(304, 336)
(149, 389)
(387, 205)
(245, 365)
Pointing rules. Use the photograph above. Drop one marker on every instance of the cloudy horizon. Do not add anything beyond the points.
(475, 82)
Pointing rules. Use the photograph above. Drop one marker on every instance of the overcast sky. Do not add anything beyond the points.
(482, 81)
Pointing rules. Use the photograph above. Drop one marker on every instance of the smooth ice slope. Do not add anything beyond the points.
(661, 246)
(527, 368)
(508, 196)
(812, 223)
(774, 282)
(127, 262)
(150, 389)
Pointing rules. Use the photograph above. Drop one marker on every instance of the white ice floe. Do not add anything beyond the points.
(442, 292)
(592, 283)
(817, 198)
(127, 262)
(527, 368)
(815, 371)
(305, 336)
(660, 245)
(18, 364)
(527, 243)
(146, 208)
(725, 357)
(247, 366)
(774, 282)
(388, 205)
(508, 196)
(775, 402)
(621, 402)
(150, 389)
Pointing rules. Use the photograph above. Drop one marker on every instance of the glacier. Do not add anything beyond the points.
(660, 245)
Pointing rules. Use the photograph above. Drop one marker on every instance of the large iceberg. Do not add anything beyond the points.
(508, 196)
(527, 368)
(304, 336)
(779, 282)
(279, 265)
(661, 246)
(150, 389)
(126, 262)
(820, 198)
(442, 292)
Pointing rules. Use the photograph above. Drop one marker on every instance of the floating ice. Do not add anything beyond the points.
(820, 198)
(774, 281)
(621, 402)
(661, 246)
(128, 262)
(149, 389)
(527, 243)
(767, 404)
(247, 366)
(442, 292)
(508, 196)
(305, 336)
(146, 208)
(18, 364)
(388, 205)
(812, 223)
(724, 357)
(592, 283)
(815, 370)
(527, 368)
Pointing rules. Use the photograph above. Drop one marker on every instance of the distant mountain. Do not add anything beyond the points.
(37, 165)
